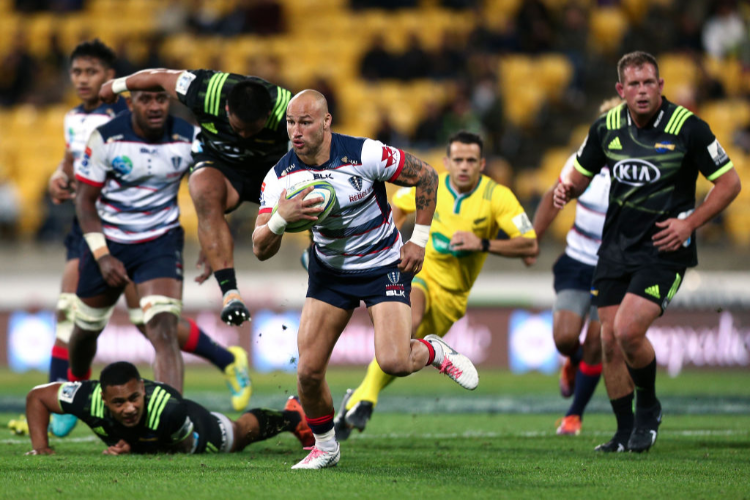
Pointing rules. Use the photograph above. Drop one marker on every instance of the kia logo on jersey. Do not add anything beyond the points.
(635, 172)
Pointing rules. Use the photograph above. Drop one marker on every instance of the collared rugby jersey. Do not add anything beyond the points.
(205, 92)
(139, 179)
(79, 124)
(359, 233)
(484, 211)
(654, 170)
(585, 237)
(164, 423)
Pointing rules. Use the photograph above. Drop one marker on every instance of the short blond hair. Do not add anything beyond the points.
(637, 59)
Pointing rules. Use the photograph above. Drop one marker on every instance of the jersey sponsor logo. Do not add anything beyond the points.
(323, 176)
(522, 223)
(359, 196)
(184, 81)
(148, 151)
(115, 138)
(636, 172)
(615, 144)
(356, 182)
(122, 165)
(287, 170)
(176, 162)
(717, 153)
(663, 147)
(479, 221)
(388, 156)
(68, 392)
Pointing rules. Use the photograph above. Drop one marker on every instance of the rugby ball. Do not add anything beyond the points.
(322, 190)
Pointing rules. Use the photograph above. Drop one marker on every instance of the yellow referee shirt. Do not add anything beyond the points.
(484, 211)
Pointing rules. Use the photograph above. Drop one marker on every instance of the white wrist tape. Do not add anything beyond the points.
(97, 243)
(420, 235)
(119, 86)
(276, 224)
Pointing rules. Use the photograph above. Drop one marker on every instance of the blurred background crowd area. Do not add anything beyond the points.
(528, 74)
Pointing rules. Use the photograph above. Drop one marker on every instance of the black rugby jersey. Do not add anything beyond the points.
(205, 93)
(654, 170)
(164, 423)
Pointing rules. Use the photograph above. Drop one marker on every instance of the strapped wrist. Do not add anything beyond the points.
(277, 224)
(120, 85)
(97, 244)
(420, 235)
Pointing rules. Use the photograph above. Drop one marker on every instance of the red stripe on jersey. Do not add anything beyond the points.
(266, 210)
(89, 181)
(400, 166)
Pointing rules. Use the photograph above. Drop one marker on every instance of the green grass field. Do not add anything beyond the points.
(428, 439)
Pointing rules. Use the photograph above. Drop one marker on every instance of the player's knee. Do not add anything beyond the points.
(92, 319)
(153, 305)
(395, 366)
(309, 378)
(136, 316)
(628, 338)
(566, 340)
(66, 313)
(207, 198)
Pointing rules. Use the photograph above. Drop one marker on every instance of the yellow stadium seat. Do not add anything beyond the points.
(678, 70)
(555, 73)
(608, 25)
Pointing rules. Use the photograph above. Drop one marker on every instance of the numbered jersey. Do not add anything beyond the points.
(653, 171)
(585, 237)
(205, 92)
(485, 211)
(164, 423)
(79, 124)
(358, 234)
(139, 179)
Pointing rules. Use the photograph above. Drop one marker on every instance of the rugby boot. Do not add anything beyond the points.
(234, 312)
(646, 428)
(569, 426)
(302, 431)
(238, 379)
(319, 459)
(455, 365)
(618, 443)
(568, 378)
(62, 424)
(339, 423)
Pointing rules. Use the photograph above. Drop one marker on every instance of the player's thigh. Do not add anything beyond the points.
(392, 323)
(166, 287)
(443, 310)
(132, 299)
(156, 266)
(211, 189)
(70, 277)
(320, 326)
(634, 316)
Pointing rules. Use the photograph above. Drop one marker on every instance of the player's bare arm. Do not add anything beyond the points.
(61, 185)
(40, 402)
(266, 243)
(113, 271)
(676, 231)
(154, 80)
(572, 187)
(418, 173)
(545, 213)
(514, 247)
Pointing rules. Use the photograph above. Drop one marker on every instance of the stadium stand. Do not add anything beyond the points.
(540, 121)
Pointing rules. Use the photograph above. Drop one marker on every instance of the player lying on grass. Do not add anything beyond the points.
(133, 415)
(471, 210)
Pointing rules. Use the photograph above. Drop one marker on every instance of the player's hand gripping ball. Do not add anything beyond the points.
(322, 190)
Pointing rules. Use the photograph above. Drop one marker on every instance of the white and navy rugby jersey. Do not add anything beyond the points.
(79, 124)
(585, 237)
(359, 233)
(140, 179)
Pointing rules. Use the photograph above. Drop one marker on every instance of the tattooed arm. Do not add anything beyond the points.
(418, 173)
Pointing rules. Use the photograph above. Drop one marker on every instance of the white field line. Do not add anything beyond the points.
(454, 435)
